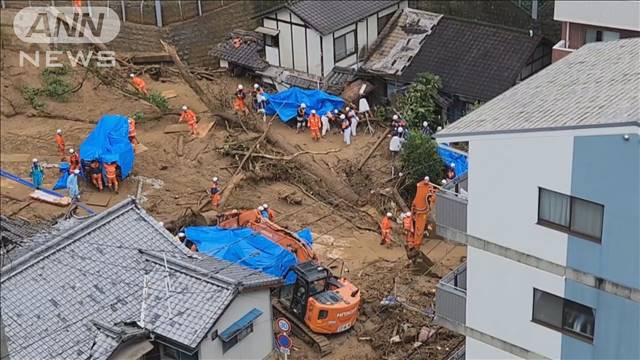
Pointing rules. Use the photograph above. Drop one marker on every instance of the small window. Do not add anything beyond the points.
(564, 315)
(593, 35)
(272, 41)
(226, 345)
(570, 214)
(344, 46)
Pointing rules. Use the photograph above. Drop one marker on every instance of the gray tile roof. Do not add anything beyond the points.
(247, 54)
(95, 272)
(597, 85)
(328, 16)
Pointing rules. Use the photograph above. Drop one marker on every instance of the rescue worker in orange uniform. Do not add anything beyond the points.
(132, 132)
(112, 180)
(270, 214)
(238, 102)
(314, 125)
(385, 230)
(60, 143)
(215, 192)
(96, 174)
(407, 226)
(74, 160)
(139, 84)
(189, 117)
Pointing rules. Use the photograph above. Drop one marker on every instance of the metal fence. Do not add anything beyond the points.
(451, 210)
(451, 295)
(459, 354)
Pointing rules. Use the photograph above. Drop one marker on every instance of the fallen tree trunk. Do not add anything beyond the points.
(373, 149)
(226, 191)
(285, 158)
(253, 148)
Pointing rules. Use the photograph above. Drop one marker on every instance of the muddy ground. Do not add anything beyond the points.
(172, 184)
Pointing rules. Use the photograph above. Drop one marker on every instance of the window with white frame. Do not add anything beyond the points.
(570, 214)
(344, 46)
(564, 315)
(594, 35)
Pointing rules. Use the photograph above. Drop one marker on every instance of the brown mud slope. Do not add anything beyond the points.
(175, 178)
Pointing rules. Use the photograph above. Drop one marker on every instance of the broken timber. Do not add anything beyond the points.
(373, 149)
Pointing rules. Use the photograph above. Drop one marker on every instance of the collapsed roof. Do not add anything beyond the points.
(94, 272)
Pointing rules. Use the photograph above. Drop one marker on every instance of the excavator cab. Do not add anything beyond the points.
(327, 304)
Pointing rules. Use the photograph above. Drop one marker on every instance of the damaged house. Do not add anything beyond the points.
(475, 61)
(119, 286)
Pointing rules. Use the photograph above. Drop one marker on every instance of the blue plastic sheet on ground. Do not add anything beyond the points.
(64, 174)
(285, 103)
(109, 141)
(449, 156)
(245, 247)
(305, 234)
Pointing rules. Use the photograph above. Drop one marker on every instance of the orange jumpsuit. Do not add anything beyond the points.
(238, 102)
(314, 126)
(112, 180)
(190, 118)
(74, 162)
(60, 143)
(139, 84)
(407, 224)
(385, 231)
(215, 194)
(272, 215)
(132, 132)
(96, 175)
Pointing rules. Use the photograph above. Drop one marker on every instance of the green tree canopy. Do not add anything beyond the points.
(419, 158)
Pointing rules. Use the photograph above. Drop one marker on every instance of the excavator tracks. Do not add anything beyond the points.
(300, 329)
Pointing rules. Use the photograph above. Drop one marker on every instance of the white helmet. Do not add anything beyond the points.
(443, 182)
(256, 86)
(131, 75)
(240, 87)
(181, 234)
(452, 165)
(261, 208)
(439, 128)
(184, 107)
(76, 171)
(389, 214)
(426, 178)
(35, 160)
(395, 117)
(335, 111)
(348, 109)
(59, 131)
(71, 151)
(408, 213)
(425, 124)
(265, 206)
(400, 129)
(313, 111)
(303, 105)
(342, 116)
(215, 179)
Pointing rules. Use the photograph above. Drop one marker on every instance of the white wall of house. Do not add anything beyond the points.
(303, 48)
(256, 345)
(614, 14)
(504, 176)
(481, 350)
(500, 302)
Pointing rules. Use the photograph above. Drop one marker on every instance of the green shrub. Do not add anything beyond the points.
(420, 158)
(159, 101)
(32, 95)
(54, 84)
(138, 116)
(418, 103)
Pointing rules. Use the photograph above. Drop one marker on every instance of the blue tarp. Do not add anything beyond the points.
(305, 234)
(286, 102)
(64, 174)
(245, 247)
(449, 156)
(109, 141)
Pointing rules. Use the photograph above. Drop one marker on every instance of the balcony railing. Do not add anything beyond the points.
(451, 204)
(458, 354)
(451, 296)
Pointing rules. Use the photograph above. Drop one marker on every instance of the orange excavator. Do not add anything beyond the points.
(423, 203)
(318, 302)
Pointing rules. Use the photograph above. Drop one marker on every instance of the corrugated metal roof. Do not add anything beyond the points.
(328, 16)
(94, 272)
(597, 85)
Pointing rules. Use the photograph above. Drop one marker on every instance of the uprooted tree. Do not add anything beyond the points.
(418, 103)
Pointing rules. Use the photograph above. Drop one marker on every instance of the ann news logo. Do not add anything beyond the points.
(67, 25)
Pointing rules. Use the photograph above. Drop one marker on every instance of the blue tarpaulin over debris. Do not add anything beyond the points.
(450, 155)
(109, 141)
(245, 247)
(286, 102)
